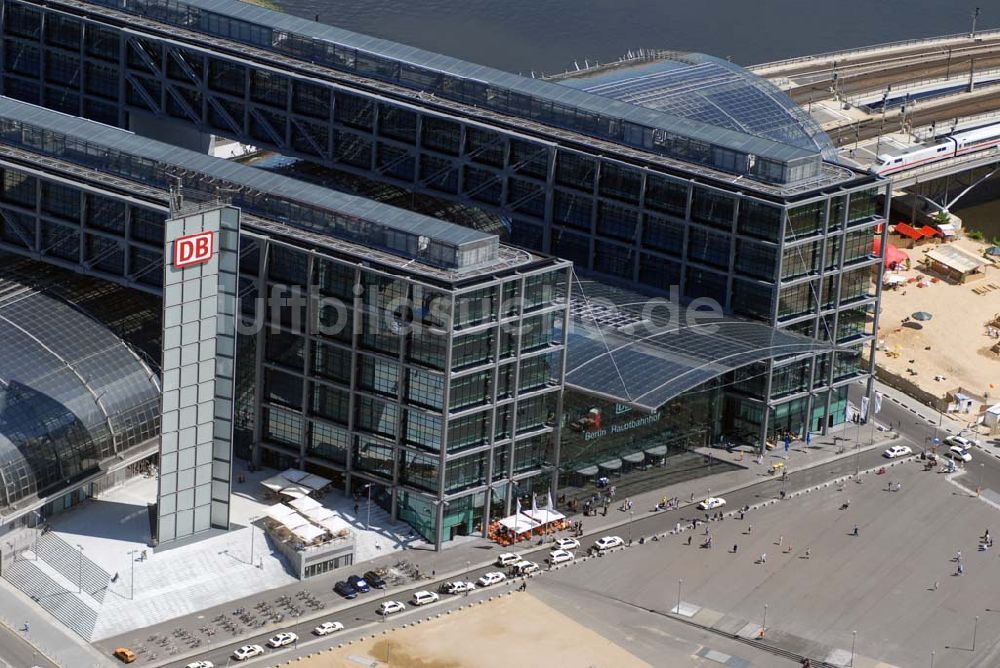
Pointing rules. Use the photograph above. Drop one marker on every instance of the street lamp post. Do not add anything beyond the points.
(131, 585)
(975, 627)
(932, 659)
(854, 639)
(677, 610)
(982, 469)
(631, 514)
(763, 626)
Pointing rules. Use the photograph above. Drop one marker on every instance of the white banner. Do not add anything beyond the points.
(864, 407)
(878, 402)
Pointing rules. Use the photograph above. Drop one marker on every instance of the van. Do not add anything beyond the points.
(424, 597)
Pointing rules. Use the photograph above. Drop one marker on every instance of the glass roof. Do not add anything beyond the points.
(72, 393)
(645, 351)
(298, 203)
(707, 89)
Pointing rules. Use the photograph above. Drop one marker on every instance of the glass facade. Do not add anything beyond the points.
(73, 396)
(777, 247)
(427, 397)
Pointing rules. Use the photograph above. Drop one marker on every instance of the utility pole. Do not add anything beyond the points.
(975, 17)
(947, 72)
(972, 73)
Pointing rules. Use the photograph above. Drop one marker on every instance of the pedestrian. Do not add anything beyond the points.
(749, 528)
(808, 553)
(936, 585)
(961, 568)
(677, 528)
(735, 548)
(689, 539)
(27, 627)
(692, 497)
(958, 556)
(605, 512)
(856, 530)
(741, 514)
(433, 573)
(763, 557)
(781, 539)
(356, 508)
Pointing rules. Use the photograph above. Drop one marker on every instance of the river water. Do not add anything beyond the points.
(549, 35)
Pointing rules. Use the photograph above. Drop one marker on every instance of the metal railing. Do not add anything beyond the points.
(885, 46)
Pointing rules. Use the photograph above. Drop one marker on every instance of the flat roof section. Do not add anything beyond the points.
(357, 219)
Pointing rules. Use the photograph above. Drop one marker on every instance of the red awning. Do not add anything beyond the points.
(893, 256)
(907, 230)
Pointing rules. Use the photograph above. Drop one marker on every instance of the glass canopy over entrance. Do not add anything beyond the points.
(644, 351)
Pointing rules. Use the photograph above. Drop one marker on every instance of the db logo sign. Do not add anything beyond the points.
(193, 249)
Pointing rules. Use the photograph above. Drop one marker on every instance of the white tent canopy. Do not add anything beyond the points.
(334, 524)
(293, 475)
(319, 514)
(519, 523)
(279, 512)
(314, 482)
(307, 533)
(305, 503)
(544, 515)
(295, 492)
(274, 483)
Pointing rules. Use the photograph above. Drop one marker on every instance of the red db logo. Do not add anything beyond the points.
(193, 249)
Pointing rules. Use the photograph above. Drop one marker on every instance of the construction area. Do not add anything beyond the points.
(954, 347)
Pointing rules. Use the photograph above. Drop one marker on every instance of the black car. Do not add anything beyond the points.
(359, 584)
(375, 580)
(345, 589)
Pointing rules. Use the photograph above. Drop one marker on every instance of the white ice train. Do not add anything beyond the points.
(960, 143)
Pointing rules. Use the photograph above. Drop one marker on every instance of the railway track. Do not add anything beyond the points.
(879, 77)
(941, 114)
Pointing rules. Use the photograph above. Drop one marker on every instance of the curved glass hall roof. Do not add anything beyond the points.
(642, 351)
(72, 394)
(704, 88)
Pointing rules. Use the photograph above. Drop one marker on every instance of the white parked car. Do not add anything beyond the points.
(282, 639)
(424, 597)
(524, 567)
(200, 664)
(897, 451)
(961, 441)
(248, 652)
(326, 628)
(567, 543)
(608, 542)
(390, 608)
(458, 587)
(560, 556)
(959, 453)
(712, 502)
(507, 558)
(491, 578)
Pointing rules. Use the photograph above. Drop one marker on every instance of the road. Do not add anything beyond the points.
(17, 652)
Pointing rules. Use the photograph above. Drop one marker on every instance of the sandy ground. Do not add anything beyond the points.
(514, 630)
(953, 345)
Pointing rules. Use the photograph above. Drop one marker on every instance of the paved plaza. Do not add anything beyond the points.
(896, 583)
(175, 581)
